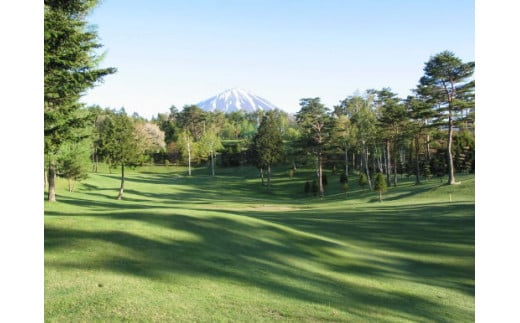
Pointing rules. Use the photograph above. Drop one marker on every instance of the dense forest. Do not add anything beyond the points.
(372, 134)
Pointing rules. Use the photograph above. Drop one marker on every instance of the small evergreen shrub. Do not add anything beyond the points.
(363, 180)
(380, 185)
(344, 187)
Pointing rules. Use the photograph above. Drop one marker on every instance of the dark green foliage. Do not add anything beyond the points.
(446, 86)
(315, 188)
(70, 68)
(464, 151)
(118, 143)
(426, 170)
(343, 178)
(315, 123)
(192, 119)
(168, 123)
(307, 188)
(234, 154)
(324, 179)
(438, 163)
(73, 161)
(267, 145)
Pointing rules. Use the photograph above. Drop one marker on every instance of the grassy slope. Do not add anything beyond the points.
(222, 249)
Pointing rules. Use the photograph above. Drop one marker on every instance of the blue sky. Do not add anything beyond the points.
(183, 52)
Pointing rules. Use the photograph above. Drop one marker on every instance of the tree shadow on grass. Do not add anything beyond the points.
(320, 257)
(317, 259)
(417, 238)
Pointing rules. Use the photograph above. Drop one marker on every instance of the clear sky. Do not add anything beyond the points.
(182, 52)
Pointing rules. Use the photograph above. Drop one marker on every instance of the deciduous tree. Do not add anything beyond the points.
(209, 144)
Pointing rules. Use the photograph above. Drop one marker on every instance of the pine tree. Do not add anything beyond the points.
(119, 143)
(446, 83)
(268, 144)
(315, 123)
(70, 68)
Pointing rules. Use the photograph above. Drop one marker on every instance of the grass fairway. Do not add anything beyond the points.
(198, 248)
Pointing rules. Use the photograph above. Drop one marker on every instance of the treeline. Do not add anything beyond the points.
(372, 134)
(375, 133)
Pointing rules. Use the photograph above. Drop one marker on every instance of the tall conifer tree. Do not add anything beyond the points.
(268, 144)
(447, 84)
(70, 68)
(316, 123)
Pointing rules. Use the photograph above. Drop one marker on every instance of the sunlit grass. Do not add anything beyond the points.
(180, 248)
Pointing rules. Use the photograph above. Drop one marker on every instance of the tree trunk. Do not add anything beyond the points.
(428, 155)
(70, 184)
(395, 168)
(380, 196)
(365, 162)
(354, 160)
(320, 176)
(388, 163)
(94, 160)
(52, 182)
(417, 166)
(451, 169)
(373, 159)
(269, 177)
(380, 163)
(262, 175)
(121, 189)
(385, 161)
(212, 163)
(346, 160)
(189, 159)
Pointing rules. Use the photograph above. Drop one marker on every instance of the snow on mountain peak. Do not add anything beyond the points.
(236, 99)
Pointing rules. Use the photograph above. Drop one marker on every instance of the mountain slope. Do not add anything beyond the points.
(236, 100)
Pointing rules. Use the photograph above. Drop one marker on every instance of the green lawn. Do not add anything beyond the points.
(199, 248)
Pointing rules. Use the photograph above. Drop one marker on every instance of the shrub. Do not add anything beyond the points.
(344, 187)
(363, 180)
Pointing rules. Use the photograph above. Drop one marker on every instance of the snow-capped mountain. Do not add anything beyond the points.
(235, 100)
